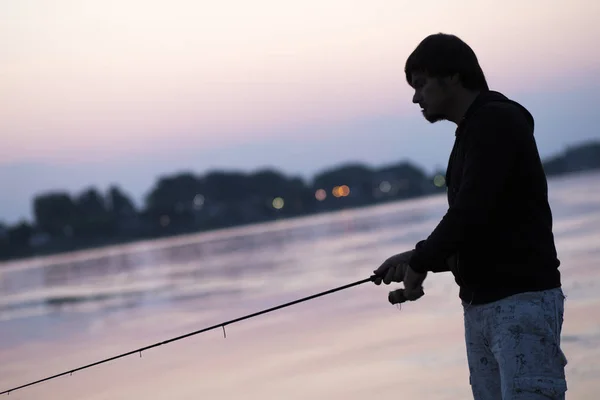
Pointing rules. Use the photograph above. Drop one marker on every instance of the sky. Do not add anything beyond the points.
(94, 93)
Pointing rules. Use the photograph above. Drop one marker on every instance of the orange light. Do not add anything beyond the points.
(344, 190)
(341, 191)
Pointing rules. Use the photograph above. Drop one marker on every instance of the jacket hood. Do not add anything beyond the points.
(491, 96)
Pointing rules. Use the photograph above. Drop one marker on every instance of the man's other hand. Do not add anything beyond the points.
(393, 269)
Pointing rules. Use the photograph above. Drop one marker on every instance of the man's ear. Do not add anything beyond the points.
(454, 80)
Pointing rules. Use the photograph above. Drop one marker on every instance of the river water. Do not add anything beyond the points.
(61, 312)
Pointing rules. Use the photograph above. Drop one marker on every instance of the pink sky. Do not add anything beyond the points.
(88, 82)
(92, 76)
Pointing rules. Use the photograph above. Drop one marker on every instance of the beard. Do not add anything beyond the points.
(438, 109)
(433, 117)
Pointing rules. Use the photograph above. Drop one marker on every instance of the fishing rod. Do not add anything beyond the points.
(394, 298)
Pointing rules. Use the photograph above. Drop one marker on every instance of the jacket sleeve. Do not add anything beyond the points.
(490, 147)
(433, 265)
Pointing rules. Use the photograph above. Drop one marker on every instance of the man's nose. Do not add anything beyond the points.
(416, 97)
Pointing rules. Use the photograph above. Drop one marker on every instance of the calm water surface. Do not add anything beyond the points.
(58, 313)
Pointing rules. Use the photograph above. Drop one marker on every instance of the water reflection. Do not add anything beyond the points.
(63, 311)
(208, 264)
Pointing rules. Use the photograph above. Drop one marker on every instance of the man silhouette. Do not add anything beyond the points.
(496, 236)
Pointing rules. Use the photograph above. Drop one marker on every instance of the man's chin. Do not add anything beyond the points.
(432, 117)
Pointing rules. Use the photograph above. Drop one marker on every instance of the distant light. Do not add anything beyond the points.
(344, 190)
(439, 180)
(198, 201)
(341, 191)
(165, 220)
(385, 186)
(320, 194)
(278, 203)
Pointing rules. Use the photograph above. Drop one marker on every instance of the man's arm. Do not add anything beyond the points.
(432, 265)
(490, 151)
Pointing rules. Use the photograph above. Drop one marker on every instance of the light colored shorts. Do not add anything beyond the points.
(513, 347)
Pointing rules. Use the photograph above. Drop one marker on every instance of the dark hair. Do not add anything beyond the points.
(441, 55)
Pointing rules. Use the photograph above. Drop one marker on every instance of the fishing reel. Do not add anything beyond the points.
(398, 296)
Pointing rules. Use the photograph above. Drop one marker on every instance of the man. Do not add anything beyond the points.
(496, 237)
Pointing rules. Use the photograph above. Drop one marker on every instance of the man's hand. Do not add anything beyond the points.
(397, 269)
(413, 288)
(413, 284)
(393, 269)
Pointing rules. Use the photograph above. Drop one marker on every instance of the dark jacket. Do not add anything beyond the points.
(499, 223)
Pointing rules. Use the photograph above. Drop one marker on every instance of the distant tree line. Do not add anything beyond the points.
(186, 202)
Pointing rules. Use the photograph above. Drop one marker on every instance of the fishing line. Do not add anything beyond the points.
(221, 325)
